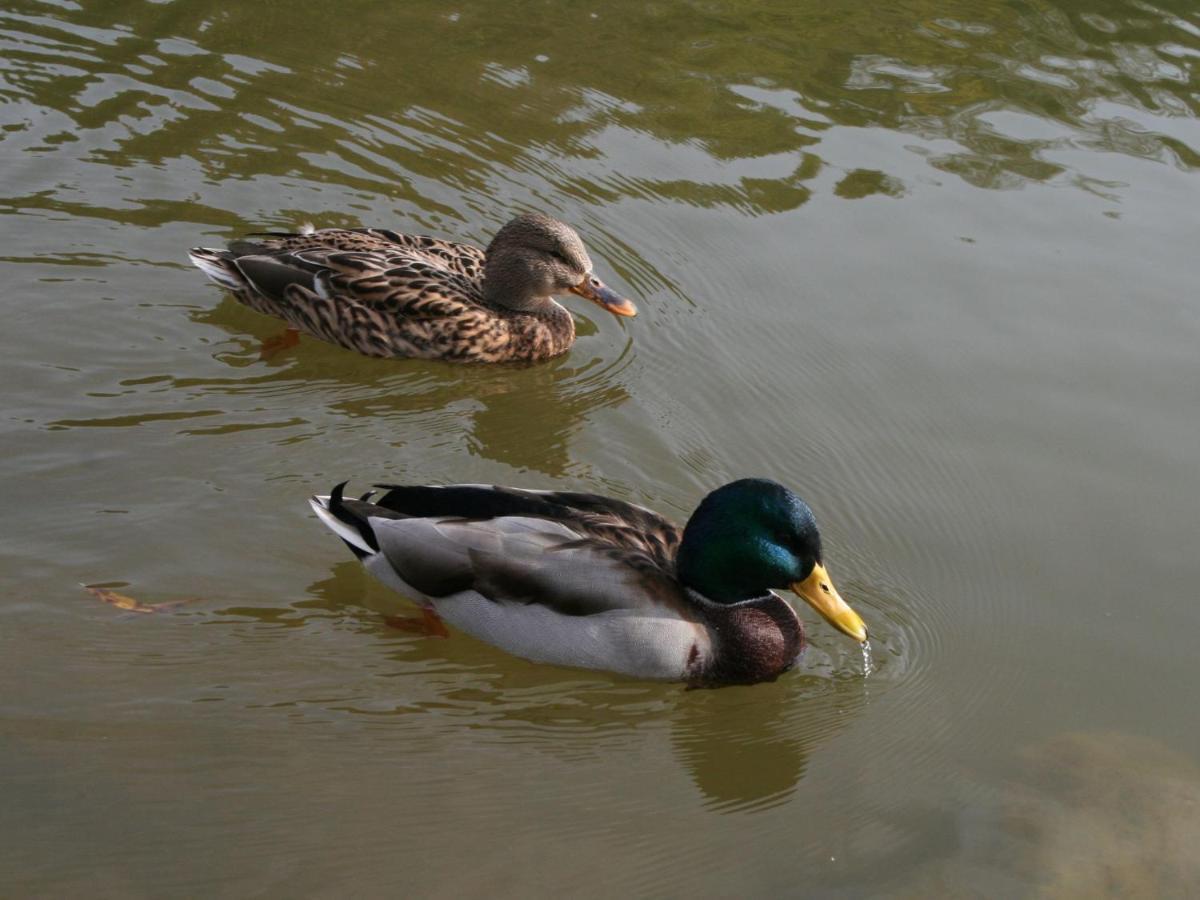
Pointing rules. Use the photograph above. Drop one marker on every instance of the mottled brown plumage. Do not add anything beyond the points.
(387, 294)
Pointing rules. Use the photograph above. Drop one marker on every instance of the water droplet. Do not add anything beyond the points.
(866, 651)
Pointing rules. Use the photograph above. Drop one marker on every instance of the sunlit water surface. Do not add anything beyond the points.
(934, 266)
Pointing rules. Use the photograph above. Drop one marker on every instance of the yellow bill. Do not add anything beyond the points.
(818, 592)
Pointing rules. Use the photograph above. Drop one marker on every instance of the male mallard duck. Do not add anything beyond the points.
(388, 294)
(583, 580)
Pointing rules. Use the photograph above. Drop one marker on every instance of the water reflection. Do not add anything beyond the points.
(524, 416)
(998, 96)
(747, 749)
(744, 748)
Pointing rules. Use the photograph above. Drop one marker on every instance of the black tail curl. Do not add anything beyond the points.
(344, 511)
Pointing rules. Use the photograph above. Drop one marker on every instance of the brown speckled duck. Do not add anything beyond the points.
(388, 294)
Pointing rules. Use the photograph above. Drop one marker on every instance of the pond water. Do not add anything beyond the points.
(934, 266)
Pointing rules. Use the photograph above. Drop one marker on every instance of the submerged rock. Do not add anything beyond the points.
(1084, 815)
(1107, 815)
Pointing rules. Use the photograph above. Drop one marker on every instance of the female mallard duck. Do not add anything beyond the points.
(388, 294)
(582, 580)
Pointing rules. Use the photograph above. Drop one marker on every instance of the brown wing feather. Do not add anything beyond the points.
(465, 259)
(462, 259)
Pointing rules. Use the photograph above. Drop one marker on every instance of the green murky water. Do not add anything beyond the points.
(932, 265)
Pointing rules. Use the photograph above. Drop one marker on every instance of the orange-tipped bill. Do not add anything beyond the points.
(596, 291)
(818, 592)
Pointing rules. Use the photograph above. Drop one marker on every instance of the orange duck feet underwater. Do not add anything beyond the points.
(289, 337)
(428, 624)
(386, 294)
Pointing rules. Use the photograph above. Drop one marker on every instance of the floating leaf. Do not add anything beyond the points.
(129, 604)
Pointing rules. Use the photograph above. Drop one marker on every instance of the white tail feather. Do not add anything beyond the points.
(215, 268)
(320, 506)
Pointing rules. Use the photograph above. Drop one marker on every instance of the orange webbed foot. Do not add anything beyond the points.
(289, 337)
(428, 624)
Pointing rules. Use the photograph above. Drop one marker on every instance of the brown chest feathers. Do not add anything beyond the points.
(754, 641)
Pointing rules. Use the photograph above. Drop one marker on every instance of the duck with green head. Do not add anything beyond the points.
(583, 580)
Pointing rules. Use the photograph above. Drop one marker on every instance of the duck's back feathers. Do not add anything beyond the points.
(615, 523)
(463, 259)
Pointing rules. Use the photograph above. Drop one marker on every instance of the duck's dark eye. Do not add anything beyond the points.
(562, 259)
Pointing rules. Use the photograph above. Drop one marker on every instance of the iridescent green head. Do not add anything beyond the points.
(754, 535)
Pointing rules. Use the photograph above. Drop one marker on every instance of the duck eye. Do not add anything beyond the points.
(562, 259)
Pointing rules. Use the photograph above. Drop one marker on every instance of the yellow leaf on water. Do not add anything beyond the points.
(120, 601)
(129, 604)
